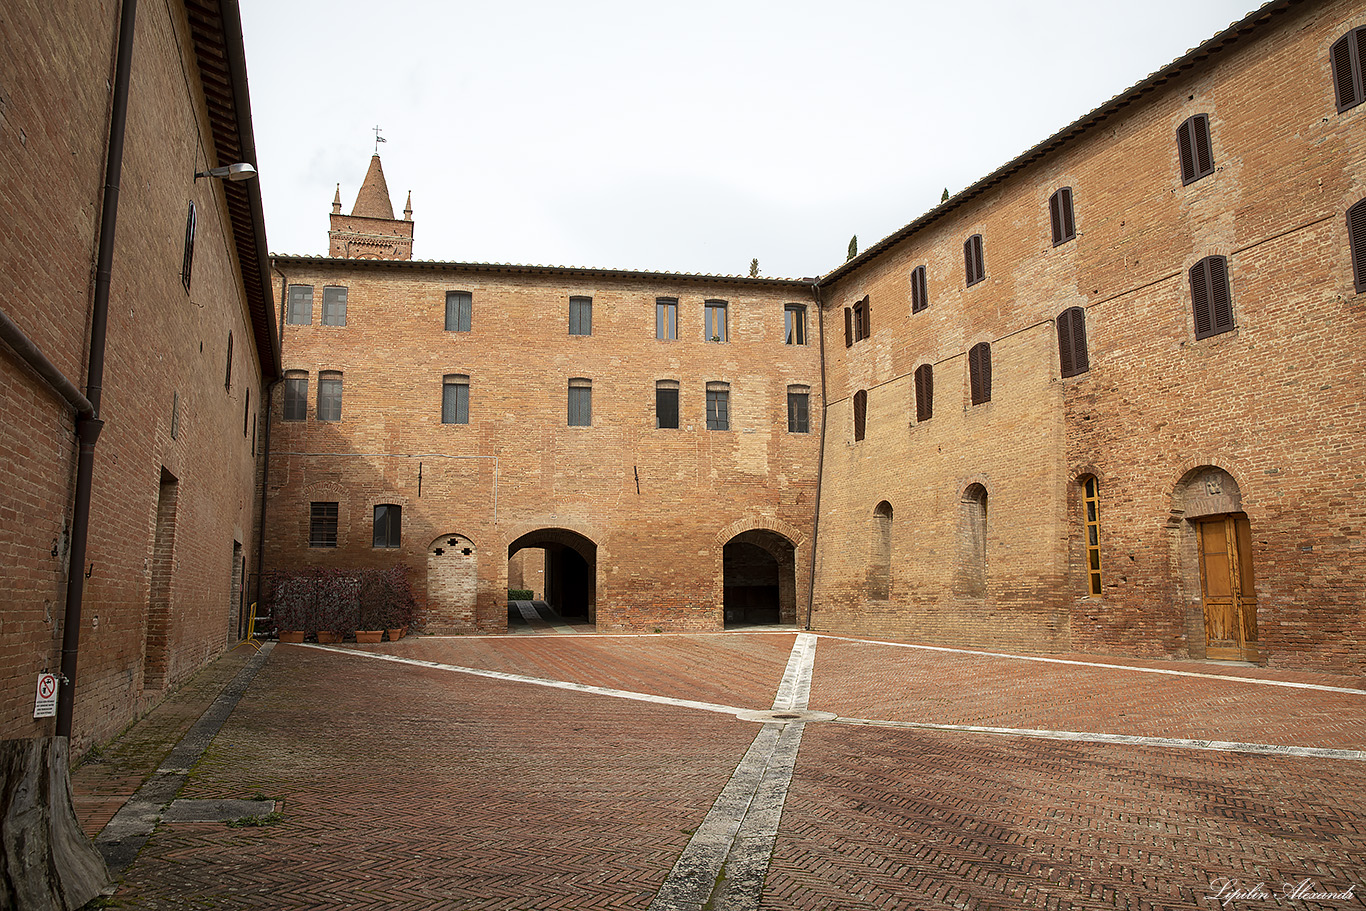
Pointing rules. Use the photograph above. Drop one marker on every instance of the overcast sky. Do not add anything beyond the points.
(687, 137)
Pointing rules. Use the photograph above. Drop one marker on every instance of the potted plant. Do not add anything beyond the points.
(372, 614)
(336, 601)
(289, 607)
(400, 607)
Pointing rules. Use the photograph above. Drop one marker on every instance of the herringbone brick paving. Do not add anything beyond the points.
(411, 787)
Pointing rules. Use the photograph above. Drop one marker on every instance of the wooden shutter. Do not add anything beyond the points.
(1204, 152)
(1210, 300)
(1055, 216)
(924, 392)
(867, 318)
(1346, 55)
(1072, 341)
(1184, 148)
(860, 414)
(919, 292)
(1060, 211)
(973, 263)
(1193, 144)
(979, 373)
(848, 327)
(967, 262)
(1356, 234)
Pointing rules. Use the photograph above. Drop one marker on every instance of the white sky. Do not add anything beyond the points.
(684, 137)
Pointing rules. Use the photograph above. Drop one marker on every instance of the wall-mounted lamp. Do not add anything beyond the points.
(239, 171)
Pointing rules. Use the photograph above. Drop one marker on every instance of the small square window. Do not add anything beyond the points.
(581, 316)
(322, 525)
(334, 306)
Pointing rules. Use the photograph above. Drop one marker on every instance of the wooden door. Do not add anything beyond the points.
(1230, 598)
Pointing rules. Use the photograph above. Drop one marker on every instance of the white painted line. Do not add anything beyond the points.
(1127, 739)
(1116, 667)
(536, 681)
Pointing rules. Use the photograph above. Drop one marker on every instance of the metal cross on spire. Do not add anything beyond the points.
(378, 139)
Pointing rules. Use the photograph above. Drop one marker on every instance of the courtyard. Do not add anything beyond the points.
(763, 769)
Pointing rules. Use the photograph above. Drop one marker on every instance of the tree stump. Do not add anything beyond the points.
(46, 862)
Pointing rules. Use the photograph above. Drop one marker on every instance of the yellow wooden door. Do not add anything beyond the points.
(1227, 588)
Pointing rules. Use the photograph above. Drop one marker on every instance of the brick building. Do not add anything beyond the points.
(1108, 398)
(188, 344)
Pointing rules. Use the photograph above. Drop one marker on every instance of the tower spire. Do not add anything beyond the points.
(408, 207)
(336, 201)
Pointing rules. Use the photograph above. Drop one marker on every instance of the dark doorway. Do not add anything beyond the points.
(759, 585)
(570, 570)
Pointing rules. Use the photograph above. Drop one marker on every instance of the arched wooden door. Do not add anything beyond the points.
(1226, 583)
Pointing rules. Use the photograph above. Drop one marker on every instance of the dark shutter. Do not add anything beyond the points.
(1072, 342)
(967, 262)
(1055, 216)
(1346, 55)
(1183, 147)
(1193, 144)
(979, 373)
(867, 318)
(1211, 303)
(924, 392)
(860, 413)
(848, 327)
(973, 263)
(1204, 152)
(919, 290)
(1356, 233)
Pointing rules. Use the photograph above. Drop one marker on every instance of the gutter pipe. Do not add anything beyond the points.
(34, 357)
(820, 458)
(88, 427)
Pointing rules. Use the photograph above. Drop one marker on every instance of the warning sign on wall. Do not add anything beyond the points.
(45, 706)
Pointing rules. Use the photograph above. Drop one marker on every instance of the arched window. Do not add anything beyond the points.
(1061, 215)
(920, 293)
(973, 560)
(187, 264)
(227, 378)
(1090, 498)
(974, 265)
(880, 558)
(860, 414)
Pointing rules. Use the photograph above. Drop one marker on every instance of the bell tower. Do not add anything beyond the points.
(371, 231)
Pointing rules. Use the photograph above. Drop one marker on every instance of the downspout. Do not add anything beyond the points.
(265, 449)
(820, 459)
(88, 427)
(32, 355)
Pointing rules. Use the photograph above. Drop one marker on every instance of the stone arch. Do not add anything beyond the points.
(879, 574)
(973, 528)
(452, 583)
(571, 568)
(759, 578)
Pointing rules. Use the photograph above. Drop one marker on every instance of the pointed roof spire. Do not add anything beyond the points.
(336, 201)
(408, 208)
(373, 199)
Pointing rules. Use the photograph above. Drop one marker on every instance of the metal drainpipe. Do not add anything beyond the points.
(265, 447)
(88, 428)
(820, 459)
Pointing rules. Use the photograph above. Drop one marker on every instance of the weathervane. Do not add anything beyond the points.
(378, 139)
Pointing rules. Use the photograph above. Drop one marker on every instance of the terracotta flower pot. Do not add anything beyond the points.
(367, 636)
(328, 638)
(291, 635)
(396, 633)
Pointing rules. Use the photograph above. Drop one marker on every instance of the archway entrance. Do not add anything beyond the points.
(561, 567)
(759, 579)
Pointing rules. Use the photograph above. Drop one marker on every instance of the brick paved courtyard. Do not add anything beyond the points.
(408, 784)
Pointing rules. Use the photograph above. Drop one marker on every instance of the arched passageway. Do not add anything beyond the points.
(569, 571)
(760, 579)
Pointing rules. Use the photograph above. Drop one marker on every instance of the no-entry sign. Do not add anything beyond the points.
(45, 706)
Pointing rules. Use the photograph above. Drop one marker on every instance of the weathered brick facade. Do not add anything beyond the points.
(173, 512)
(969, 526)
(1264, 421)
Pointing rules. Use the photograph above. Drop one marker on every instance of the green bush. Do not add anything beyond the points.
(520, 594)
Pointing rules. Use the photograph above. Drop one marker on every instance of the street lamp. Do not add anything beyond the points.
(239, 171)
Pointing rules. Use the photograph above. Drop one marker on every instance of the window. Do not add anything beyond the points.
(666, 318)
(798, 409)
(455, 399)
(322, 525)
(666, 404)
(1347, 54)
(794, 324)
(1193, 145)
(1210, 297)
(175, 415)
(1072, 341)
(458, 307)
(860, 414)
(388, 519)
(1060, 213)
(979, 373)
(718, 406)
(974, 265)
(581, 316)
(580, 403)
(1356, 236)
(880, 559)
(715, 319)
(300, 305)
(187, 264)
(246, 413)
(227, 378)
(973, 541)
(924, 392)
(920, 295)
(1091, 503)
(296, 396)
(334, 306)
(329, 395)
(857, 322)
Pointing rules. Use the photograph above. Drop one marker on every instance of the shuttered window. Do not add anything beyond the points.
(848, 326)
(227, 380)
(329, 396)
(1210, 300)
(718, 406)
(1072, 342)
(580, 403)
(455, 399)
(1356, 234)
(860, 414)
(581, 316)
(974, 264)
(459, 310)
(858, 323)
(1061, 215)
(798, 409)
(924, 392)
(1196, 151)
(296, 396)
(1347, 54)
(187, 263)
(979, 373)
(666, 404)
(920, 295)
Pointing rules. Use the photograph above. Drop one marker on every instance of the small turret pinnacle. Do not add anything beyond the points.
(408, 208)
(336, 201)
